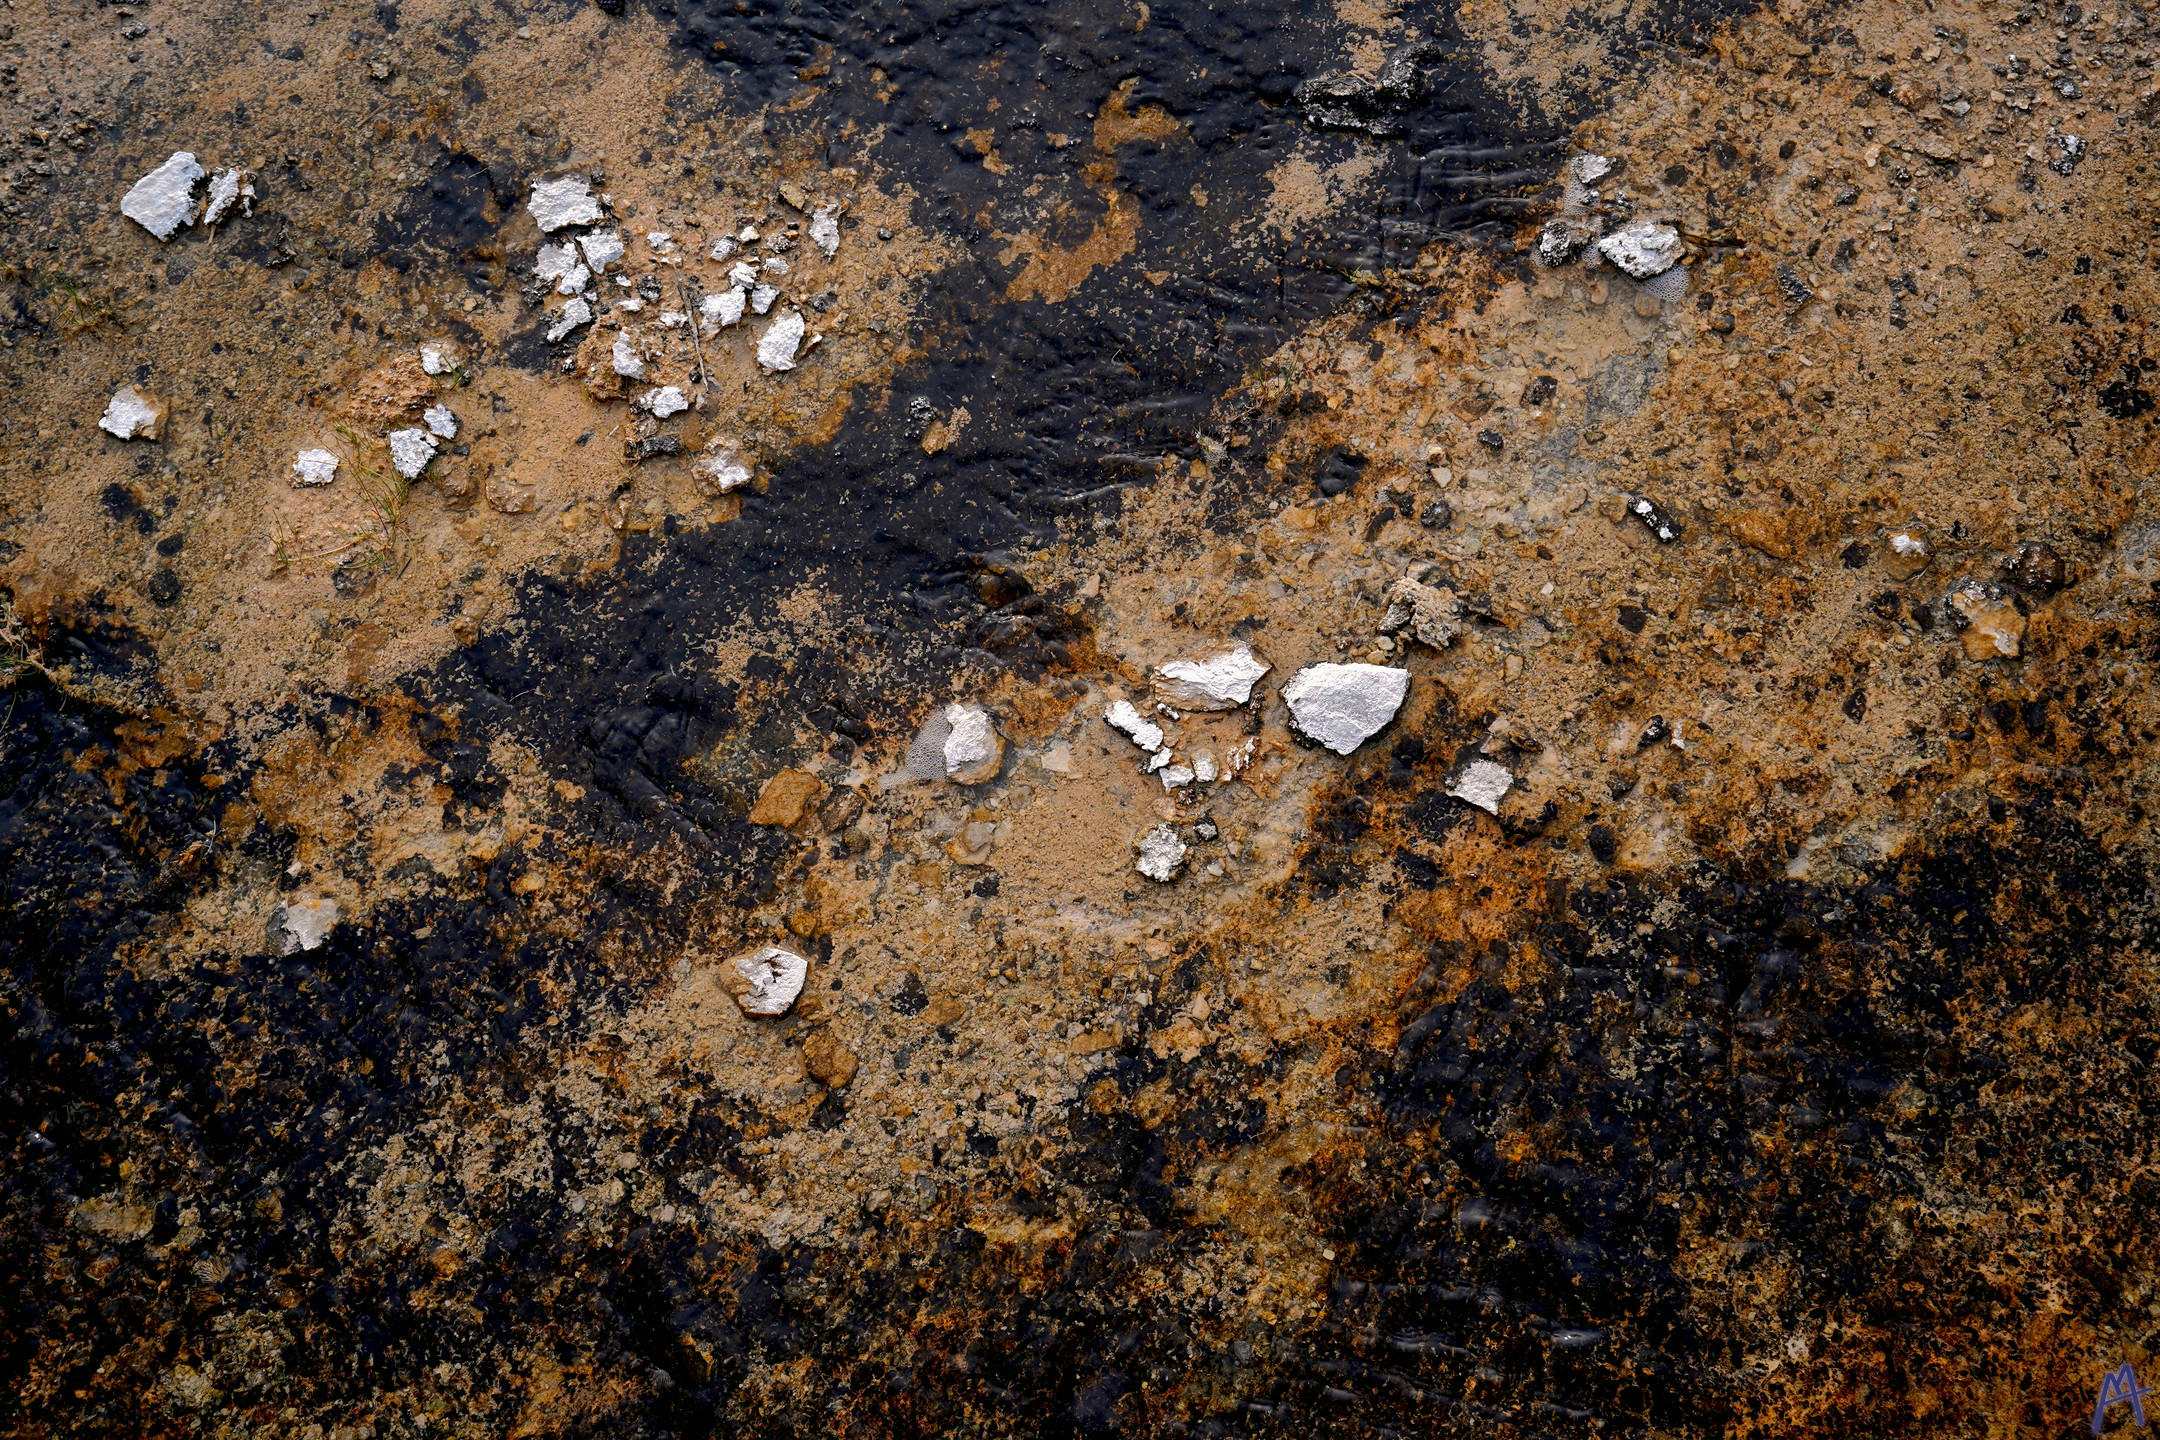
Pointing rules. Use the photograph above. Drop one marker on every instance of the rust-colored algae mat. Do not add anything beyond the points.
(1159, 719)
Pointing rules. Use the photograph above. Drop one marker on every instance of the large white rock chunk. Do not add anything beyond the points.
(567, 201)
(1343, 706)
(973, 749)
(163, 201)
(766, 982)
(777, 346)
(1221, 678)
(1642, 250)
(133, 414)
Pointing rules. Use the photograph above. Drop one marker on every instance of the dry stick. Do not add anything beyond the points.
(690, 303)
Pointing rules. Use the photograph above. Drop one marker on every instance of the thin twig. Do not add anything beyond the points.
(690, 303)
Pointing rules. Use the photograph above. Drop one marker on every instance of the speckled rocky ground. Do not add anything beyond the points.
(1773, 1057)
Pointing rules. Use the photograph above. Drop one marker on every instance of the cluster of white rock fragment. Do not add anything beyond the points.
(1220, 679)
(164, 201)
(573, 267)
(1644, 250)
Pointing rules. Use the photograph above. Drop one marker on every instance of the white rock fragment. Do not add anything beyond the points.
(133, 414)
(229, 187)
(437, 359)
(762, 296)
(662, 402)
(777, 346)
(1643, 249)
(748, 235)
(722, 248)
(1482, 783)
(973, 748)
(673, 319)
(572, 315)
(726, 308)
(556, 204)
(1343, 706)
(626, 360)
(720, 469)
(1136, 727)
(663, 247)
(602, 249)
(1589, 169)
(742, 275)
(302, 924)
(410, 451)
(765, 982)
(314, 467)
(1162, 853)
(1221, 678)
(1156, 761)
(1204, 770)
(1177, 777)
(573, 280)
(441, 422)
(825, 231)
(163, 201)
(555, 261)
(773, 265)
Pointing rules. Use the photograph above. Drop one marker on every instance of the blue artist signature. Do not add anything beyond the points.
(2117, 1386)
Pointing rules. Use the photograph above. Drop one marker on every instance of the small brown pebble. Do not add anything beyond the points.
(786, 798)
(826, 1060)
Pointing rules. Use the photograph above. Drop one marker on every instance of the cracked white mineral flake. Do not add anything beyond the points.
(1343, 706)
(1204, 770)
(720, 469)
(1220, 679)
(1133, 725)
(766, 981)
(573, 280)
(722, 248)
(572, 315)
(164, 200)
(1176, 777)
(973, 748)
(1589, 169)
(662, 402)
(742, 275)
(440, 421)
(437, 359)
(726, 308)
(602, 249)
(555, 261)
(410, 451)
(133, 414)
(1642, 250)
(825, 231)
(762, 296)
(562, 202)
(1161, 853)
(1482, 783)
(228, 187)
(626, 359)
(302, 924)
(777, 346)
(314, 467)
(774, 265)
(1156, 761)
